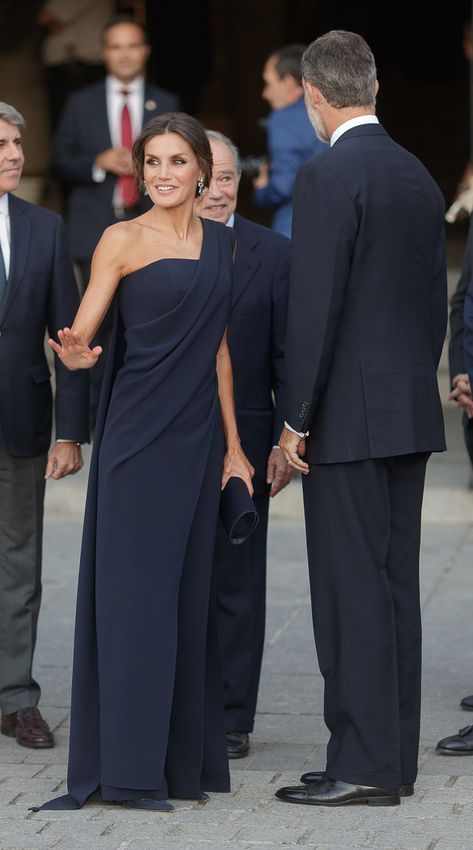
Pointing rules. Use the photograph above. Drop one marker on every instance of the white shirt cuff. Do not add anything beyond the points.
(98, 174)
(299, 433)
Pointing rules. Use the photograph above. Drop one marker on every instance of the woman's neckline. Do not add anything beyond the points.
(166, 259)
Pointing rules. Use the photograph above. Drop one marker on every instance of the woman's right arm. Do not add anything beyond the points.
(107, 268)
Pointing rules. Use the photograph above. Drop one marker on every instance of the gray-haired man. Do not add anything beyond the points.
(38, 292)
(256, 339)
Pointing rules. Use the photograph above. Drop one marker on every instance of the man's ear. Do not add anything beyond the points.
(376, 88)
(313, 93)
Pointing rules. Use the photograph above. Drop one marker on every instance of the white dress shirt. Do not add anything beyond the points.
(5, 232)
(352, 122)
(115, 103)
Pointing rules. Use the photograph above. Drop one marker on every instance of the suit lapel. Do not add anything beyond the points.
(20, 227)
(100, 113)
(246, 261)
(150, 106)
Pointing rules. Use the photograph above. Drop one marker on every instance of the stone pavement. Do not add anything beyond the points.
(290, 736)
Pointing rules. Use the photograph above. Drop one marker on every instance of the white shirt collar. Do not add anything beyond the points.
(4, 206)
(115, 85)
(352, 122)
(231, 220)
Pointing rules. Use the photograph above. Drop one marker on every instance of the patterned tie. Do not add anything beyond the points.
(127, 186)
(3, 277)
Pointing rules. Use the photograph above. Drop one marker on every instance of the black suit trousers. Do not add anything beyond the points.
(241, 607)
(363, 536)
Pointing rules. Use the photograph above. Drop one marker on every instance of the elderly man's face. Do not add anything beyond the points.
(220, 200)
(11, 157)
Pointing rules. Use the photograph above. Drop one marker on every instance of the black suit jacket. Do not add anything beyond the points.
(82, 133)
(41, 295)
(256, 333)
(367, 303)
(457, 302)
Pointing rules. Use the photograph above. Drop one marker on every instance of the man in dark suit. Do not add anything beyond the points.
(256, 339)
(37, 291)
(461, 389)
(91, 153)
(366, 324)
(460, 353)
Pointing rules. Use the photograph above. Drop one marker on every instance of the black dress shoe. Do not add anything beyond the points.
(467, 703)
(318, 775)
(238, 744)
(457, 745)
(332, 792)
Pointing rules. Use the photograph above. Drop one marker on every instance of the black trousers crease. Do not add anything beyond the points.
(363, 523)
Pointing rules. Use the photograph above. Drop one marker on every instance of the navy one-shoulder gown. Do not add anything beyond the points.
(147, 704)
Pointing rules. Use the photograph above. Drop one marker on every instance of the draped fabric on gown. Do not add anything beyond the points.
(147, 702)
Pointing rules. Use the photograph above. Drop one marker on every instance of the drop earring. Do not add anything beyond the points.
(200, 187)
(145, 191)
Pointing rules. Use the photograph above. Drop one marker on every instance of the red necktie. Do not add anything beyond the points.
(127, 186)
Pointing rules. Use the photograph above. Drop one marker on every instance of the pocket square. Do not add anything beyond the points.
(237, 511)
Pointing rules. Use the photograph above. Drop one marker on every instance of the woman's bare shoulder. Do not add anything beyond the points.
(120, 233)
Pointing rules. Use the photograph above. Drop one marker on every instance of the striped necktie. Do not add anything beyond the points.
(128, 189)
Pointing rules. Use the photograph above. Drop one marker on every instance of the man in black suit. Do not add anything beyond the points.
(256, 339)
(461, 743)
(91, 153)
(37, 291)
(461, 390)
(366, 324)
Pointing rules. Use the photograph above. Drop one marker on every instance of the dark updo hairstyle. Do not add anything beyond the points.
(185, 126)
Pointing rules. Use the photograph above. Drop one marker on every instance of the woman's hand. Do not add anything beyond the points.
(74, 351)
(237, 464)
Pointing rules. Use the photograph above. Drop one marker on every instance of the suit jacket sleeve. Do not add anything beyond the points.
(68, 161)
(455, 348)
(285, 161)
(468, 331)
(439, 300)
(279, 321)
(325, 227)
(72, 388)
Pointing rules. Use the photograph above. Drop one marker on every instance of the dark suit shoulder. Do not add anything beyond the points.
(86, 94)
(158, 93)
(252, 230)
(36, 213)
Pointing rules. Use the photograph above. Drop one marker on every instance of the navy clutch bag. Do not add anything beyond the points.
(237, 511)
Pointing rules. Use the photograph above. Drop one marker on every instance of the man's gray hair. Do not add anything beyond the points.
(341, 65)
(10, 114)
(216, 136)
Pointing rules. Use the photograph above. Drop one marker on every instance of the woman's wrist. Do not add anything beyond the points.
(233, 442)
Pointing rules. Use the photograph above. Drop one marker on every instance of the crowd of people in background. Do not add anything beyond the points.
(154, 278)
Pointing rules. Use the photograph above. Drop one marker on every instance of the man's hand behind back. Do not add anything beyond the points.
(461, 393)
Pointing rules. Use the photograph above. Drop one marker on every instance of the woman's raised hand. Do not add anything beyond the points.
(74, 351)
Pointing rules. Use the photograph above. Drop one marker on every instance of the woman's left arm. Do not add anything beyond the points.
(236, 463)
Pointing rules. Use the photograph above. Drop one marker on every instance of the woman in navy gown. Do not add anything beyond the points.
(147, 707)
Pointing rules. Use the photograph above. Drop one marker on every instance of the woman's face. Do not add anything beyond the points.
(170, 170)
